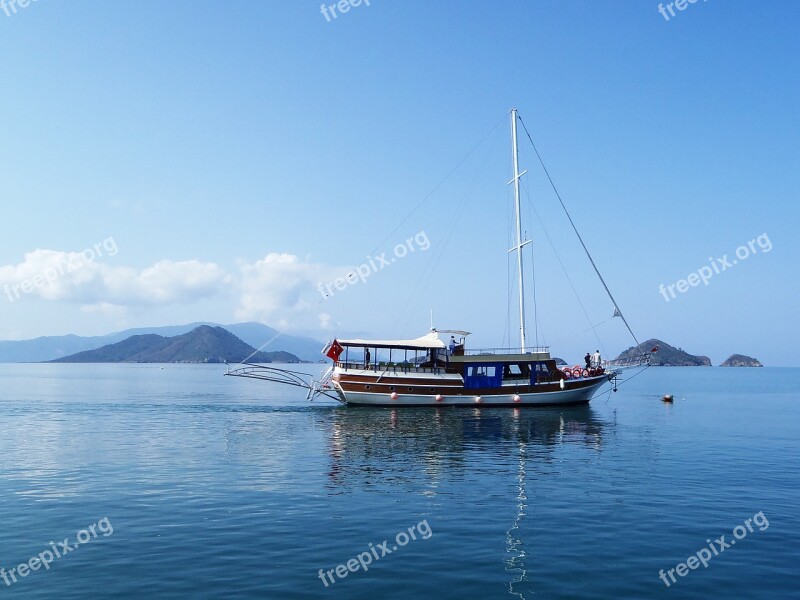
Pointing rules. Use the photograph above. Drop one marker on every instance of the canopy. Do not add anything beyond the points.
(426, 342)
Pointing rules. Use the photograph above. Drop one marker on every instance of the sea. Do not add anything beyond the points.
(174, 481)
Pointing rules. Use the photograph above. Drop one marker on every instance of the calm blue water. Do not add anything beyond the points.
(219, 487)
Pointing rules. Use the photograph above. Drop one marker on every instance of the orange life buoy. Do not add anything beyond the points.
(585, 373)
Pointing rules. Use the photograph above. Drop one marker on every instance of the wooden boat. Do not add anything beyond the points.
(428, 371)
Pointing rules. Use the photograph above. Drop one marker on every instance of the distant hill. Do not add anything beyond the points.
(740, 360)
(204, 344)
(665, 356)
(48, 348)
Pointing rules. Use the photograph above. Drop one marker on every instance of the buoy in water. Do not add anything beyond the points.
(516, 398)
(394, 396)
(439, 397)
(667, 398)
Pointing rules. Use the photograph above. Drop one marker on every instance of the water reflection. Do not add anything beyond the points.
(421, 450)
(394, 441)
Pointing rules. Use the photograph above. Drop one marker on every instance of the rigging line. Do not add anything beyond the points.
(535, 306)
(430, 268)
(536, 324)
(623, 381)
(575, 229)
(438, 185)
(264, 345)
(569, 279)
(592, 328)
(509, 238)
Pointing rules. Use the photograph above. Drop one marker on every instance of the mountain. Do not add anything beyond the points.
(204, 344)
(665, 356)
(257, 334)
(48, 348)
(740, 360)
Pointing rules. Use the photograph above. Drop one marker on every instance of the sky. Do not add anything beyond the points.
(171, 162)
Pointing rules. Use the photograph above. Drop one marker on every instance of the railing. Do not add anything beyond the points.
(382, 367)
(491, 351)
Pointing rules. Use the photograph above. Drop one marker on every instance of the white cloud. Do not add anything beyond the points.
(280, 288)
(324, 320)
(81, 277)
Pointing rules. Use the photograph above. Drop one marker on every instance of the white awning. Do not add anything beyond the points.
(426, 342)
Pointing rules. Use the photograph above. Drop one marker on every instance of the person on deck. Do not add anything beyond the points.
(452, 346)
(366, 358)
(588, 360)
(598, 362)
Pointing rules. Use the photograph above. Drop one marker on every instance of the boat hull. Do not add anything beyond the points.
(511, 397)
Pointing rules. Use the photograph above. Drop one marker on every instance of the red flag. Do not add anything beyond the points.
(334, 351)
(655, 349)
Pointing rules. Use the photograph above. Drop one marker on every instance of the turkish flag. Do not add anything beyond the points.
(334, 351)
(654, 349)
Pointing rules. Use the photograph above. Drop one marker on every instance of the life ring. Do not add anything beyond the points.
(567, 374)
(576, 372)
(592, 372)
(585, 373)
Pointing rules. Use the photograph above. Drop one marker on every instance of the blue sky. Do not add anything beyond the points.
(240, 153)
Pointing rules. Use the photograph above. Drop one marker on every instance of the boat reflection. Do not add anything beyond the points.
(403, 444)
(419, 450)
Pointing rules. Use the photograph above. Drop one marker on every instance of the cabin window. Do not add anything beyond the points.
(540, 373)
(486, 375)
(516, 371)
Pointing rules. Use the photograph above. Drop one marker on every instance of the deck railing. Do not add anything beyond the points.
(392, 367)
(491, 351)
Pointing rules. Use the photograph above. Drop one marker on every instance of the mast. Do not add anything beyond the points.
(520, 243)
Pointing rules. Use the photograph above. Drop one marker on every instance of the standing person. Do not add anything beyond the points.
(366, 358)
(588, 360)
(452, 346)
(598, 362)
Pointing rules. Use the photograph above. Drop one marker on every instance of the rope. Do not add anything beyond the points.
(438, 185)
(571, 285)
(264, 345)
(575, 229)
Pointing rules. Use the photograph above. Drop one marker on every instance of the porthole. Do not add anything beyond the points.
(368, 386)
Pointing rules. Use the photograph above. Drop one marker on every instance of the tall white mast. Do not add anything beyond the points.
(520, 243)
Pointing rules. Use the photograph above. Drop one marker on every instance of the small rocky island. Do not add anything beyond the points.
(740, 360)
(663, 355)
